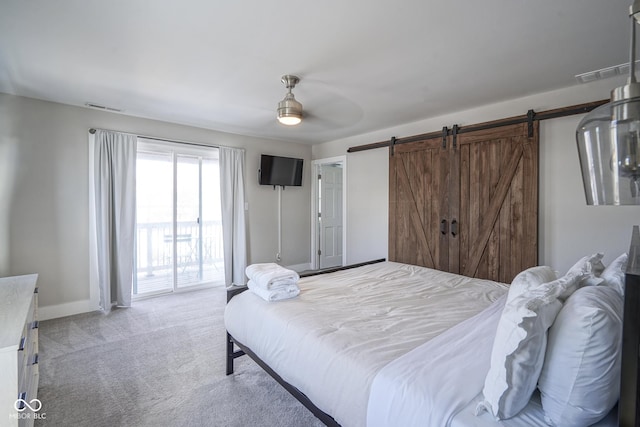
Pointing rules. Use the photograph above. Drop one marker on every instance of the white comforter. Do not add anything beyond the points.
(429, 385)
(332, 340)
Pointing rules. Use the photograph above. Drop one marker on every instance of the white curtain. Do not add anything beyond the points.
(115, 215)
(233, 219)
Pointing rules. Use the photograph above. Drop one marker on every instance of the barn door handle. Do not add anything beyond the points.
(454, 228)
(443, 227)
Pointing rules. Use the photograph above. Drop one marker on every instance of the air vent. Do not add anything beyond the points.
(604, 73)
(102, 107)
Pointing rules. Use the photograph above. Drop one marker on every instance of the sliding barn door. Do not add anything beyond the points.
(418, 204)
(495, 202)
(469, 206)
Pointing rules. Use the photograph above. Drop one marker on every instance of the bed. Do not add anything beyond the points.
(382, 344)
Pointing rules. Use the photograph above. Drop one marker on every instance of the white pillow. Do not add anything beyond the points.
(519, 347)
(591, 266)
(613, 275)
(529, 279)
(580, 378)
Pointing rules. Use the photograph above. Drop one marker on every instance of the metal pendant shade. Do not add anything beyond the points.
(609, 142)
(289, 110)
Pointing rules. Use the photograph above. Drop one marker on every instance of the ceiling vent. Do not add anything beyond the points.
(102, 107)
(604, 73)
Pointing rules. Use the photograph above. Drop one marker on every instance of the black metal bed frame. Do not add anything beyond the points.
(300, 396)
(629, 404)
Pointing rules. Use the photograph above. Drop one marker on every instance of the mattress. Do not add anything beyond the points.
(332, 340)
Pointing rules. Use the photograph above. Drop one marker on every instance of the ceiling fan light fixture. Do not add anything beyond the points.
(289, 110)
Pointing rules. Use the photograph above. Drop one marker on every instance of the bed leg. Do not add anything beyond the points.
(232, 291)
(229, 355)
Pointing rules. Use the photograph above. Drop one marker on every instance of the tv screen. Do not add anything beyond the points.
(275, 170)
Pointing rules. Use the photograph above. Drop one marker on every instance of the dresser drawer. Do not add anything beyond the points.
(28, 349)
(18, 348)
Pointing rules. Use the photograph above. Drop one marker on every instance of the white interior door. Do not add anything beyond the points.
(330, 215)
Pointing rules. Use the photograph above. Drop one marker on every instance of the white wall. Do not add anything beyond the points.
(367, 201)
(44, 178)
(8, 171)
(44, 194)
(568, 228)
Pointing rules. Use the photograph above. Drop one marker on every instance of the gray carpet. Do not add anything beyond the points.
(158, 363)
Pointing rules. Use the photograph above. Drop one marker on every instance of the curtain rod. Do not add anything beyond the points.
(543, 115)
(93, 130)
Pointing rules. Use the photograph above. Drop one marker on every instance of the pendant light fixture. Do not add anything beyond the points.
(289, 110)
(609, 140)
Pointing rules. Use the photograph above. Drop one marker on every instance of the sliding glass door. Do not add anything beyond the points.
(179, 231)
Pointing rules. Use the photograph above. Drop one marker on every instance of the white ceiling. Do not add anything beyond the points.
(364, 64)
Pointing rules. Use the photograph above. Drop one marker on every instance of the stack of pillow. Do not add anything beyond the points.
(562, 336)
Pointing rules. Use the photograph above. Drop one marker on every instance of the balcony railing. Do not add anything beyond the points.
(198, 258)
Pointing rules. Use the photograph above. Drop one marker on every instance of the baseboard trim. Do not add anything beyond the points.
(48, 312)
(299, 267)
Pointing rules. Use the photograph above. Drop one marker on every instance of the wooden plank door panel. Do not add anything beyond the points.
(418, 197)
(498, 202)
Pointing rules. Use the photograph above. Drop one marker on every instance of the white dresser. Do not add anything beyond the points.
(18, 350)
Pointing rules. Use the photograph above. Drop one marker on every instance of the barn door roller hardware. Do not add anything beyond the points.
(531, 115)
(454, 133)
(392, 142)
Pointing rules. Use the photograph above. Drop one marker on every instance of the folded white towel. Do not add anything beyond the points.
(269, 275)
(275, 293)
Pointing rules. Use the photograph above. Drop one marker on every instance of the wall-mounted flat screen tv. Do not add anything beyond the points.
(284, 171)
